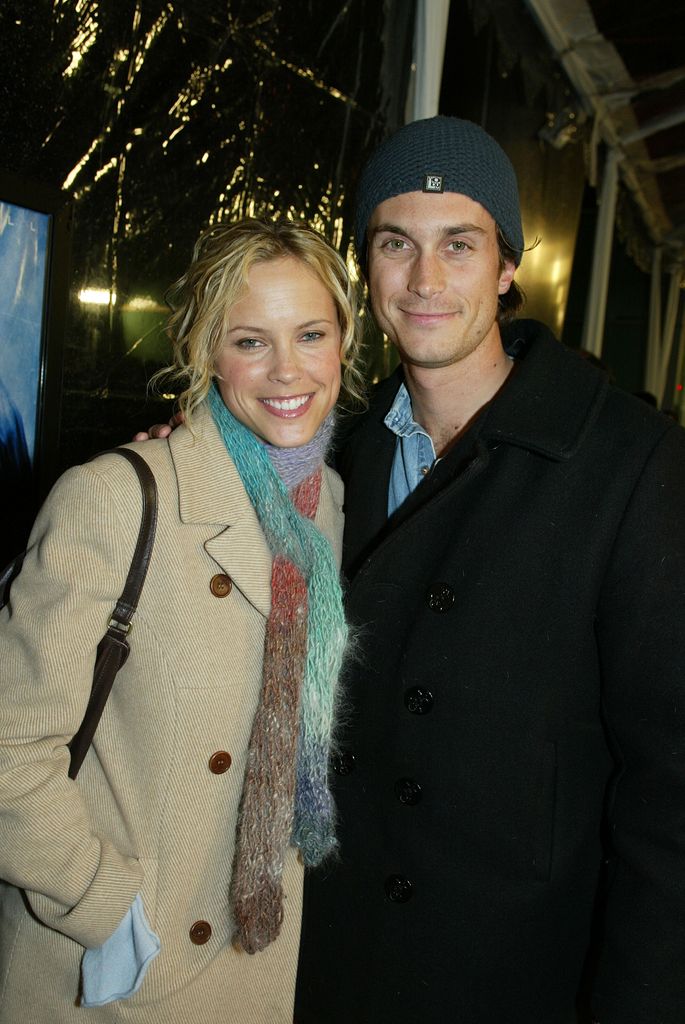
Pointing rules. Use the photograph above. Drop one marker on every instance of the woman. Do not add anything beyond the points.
(179, 850)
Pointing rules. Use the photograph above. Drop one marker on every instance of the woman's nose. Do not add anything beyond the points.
(285, 366)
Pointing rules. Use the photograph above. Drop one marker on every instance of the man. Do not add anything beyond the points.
(515, 554)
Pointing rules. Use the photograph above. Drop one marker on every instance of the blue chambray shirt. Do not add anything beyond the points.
(414, 451)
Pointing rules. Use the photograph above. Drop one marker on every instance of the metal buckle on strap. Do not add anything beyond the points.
(121, 627)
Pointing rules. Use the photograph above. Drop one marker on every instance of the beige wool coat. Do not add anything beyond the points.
(147, 813)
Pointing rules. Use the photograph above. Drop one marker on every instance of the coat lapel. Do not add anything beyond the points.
(211, 492)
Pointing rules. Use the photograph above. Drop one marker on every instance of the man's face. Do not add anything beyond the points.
(435, 277)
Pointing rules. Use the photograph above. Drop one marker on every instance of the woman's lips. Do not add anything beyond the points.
(288, 407)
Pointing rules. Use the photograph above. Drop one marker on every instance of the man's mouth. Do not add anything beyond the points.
(426, 316)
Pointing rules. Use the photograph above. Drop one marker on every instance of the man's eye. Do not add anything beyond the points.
(395, 244)
(458, 245)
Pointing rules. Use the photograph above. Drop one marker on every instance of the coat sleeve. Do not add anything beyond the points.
(641, 973)
(74, 570)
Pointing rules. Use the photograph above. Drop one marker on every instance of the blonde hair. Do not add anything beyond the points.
(201, 300)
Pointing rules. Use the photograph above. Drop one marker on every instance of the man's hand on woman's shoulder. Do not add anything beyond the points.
(160, 429)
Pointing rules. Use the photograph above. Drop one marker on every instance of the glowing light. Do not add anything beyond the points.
(109, 166)
(76, 59)
(75, 171)
(143, 304)
(307, 74)
(173, 135)
(149, 39)
(84, 38)
(97, 297)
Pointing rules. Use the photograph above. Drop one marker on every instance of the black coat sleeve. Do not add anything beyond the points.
(641, 973)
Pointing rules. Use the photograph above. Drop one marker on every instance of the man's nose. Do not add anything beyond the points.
(428, 275)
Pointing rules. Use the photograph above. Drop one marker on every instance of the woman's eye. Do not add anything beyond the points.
(312, 336)
(249, 343)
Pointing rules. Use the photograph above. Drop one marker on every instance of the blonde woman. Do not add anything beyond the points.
(165, 884)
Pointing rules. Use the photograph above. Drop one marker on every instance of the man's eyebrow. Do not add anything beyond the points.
(391, 229)
(456, 229)
(464, 229)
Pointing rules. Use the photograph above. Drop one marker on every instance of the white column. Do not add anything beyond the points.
(596, 305)
(429, 52)
(654, 326)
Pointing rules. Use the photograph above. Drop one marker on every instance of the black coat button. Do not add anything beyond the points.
(408, 792)
(418, 700)
(440, 597)
(200, 932)
(221, 585)
(398, 889)
(343, 763)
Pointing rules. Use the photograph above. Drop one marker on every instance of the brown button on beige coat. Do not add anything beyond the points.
(148, 813)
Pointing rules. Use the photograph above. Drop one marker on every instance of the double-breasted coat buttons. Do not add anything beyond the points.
(408, 792)
(440, 597)
(398, 889)
(418, 700)
(220, 585)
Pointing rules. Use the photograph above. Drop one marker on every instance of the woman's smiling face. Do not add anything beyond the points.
(278, 371)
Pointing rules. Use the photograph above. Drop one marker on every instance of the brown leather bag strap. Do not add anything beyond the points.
(113, 649)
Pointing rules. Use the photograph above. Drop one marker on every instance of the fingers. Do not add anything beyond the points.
(156, 430)
(160, 429)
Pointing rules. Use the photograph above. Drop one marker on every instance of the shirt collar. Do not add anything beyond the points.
(400, 419)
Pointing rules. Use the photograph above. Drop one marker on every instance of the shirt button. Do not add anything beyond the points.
(418, 700)
(200, 933)
(220, 762)
(343, 764)
(408, 792)
(220, 585)
(440, 597)
(398, 889)
(425, 470)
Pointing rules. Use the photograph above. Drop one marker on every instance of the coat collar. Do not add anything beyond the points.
(553, 397)
(547, 405)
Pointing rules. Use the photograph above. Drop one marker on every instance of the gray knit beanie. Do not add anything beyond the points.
(441, 154)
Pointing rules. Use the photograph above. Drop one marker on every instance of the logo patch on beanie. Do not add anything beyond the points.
(433, 183)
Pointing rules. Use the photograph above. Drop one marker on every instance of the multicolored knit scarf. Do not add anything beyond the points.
(285, 793)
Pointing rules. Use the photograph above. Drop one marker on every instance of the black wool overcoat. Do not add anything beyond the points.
(515, 728)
